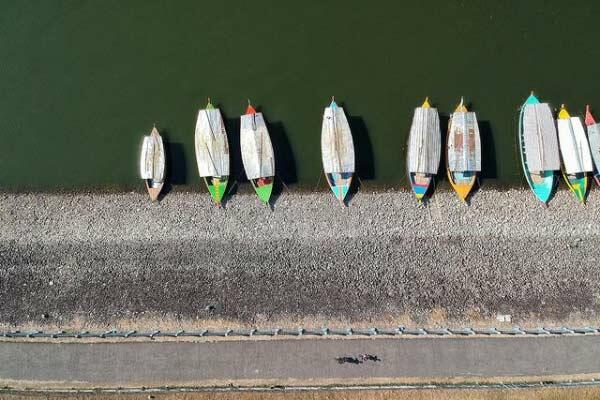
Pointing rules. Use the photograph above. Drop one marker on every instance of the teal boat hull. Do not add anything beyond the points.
(541, 184)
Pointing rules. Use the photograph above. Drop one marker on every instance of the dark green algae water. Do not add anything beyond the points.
(82, 81)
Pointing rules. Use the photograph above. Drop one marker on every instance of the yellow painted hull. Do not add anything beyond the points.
(461, 189)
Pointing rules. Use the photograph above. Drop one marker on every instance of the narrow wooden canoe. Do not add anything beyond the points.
(463, 160)
(575, 153)
(424, 149)
(257, 153)
(538, 146)
(152, 163)
(593, 131)
(337, 150)
(212, 151)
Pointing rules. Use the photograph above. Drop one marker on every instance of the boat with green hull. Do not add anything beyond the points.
(575, 153)
(257, 153)
(212, 151)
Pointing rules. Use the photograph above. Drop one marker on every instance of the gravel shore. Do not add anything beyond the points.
(104, 258)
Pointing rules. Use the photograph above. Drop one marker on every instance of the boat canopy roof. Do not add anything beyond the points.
(152, 159)
(337, 147)
(424, 143)
(464, 143)
(539, 137)
(256, 147)
(212, 149)
(574, 146)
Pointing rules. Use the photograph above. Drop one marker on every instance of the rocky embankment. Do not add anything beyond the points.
(101, 259)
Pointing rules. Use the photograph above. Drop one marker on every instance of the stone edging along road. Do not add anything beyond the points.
(319, 332)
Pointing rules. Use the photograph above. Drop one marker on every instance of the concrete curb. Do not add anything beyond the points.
(317, 332)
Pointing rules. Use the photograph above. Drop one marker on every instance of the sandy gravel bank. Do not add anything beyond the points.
(105, 259)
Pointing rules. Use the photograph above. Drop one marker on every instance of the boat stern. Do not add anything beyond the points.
(542, 185)
(263, 188)
(420, 184)
(216, 187)
(578, 185)
(339, 184)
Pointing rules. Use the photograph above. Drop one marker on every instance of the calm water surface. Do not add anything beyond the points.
(82, 81)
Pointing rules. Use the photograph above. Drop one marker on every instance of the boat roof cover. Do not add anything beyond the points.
(574, 146)
(212, 149)
(424, 143)
(257, 151)
(539, 136)
(337, 147)
(152, 160)
(594, 138)
(464, 143)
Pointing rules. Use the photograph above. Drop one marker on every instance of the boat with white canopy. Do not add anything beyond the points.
(424, 148)
(257, 153)
(575, 152)
(463, 150)
(212, 151)
(152, 163)
(337, 150)
(538, 146)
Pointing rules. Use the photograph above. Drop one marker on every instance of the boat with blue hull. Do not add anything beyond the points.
(538, 146)
(424, 149)
(337, 150)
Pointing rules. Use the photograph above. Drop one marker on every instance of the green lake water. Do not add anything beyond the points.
(82, 81)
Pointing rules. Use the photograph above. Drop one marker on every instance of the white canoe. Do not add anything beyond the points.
(152, 163)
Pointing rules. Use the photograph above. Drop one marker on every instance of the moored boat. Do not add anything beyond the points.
(152, 163)
(575, 152)
(593, 131)
(424, 149)
(212, 151)
(257, 153)
(463, 161)
(538, 146)
(337, 150)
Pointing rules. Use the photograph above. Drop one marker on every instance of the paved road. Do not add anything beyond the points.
(137, 364)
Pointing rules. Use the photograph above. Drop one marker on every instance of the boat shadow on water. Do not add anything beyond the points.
(488, 153)
(236, 167)
(363, 155)
(285, 161)
(175, 165)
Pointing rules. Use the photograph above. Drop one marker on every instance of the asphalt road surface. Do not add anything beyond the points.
(152, 364)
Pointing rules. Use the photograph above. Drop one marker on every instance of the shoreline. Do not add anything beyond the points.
(103, 260)
(245, 187)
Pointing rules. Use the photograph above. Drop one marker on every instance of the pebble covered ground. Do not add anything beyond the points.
(104, 257)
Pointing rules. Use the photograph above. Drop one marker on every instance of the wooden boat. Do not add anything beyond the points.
(337, 150)
(538, 145)
(424, 149)
(593, 131)
(152, 163)
(463, 161)
(212, 151)
(257, 153)
(575, 152)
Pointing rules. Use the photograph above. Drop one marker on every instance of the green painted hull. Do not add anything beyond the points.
(217, 188)
(578, 185)
(264, 192)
